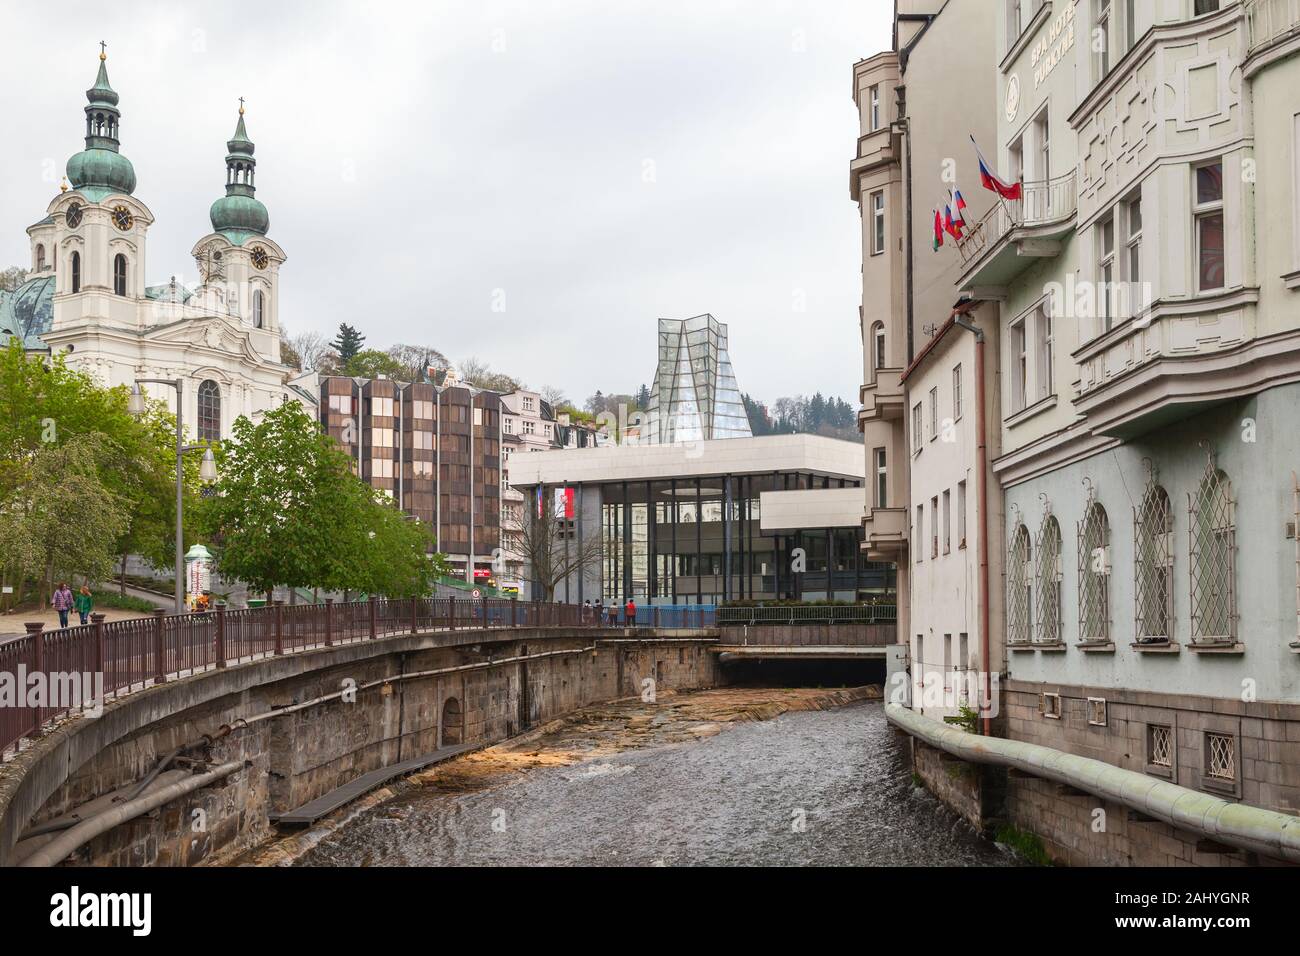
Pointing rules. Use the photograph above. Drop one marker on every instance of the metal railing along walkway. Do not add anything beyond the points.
(84, 666)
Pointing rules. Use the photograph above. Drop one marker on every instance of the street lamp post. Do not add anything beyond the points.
(207, 470)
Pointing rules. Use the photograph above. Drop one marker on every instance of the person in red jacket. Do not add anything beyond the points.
(630, 612)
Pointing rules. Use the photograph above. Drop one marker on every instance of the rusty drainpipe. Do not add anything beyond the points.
(981, 495)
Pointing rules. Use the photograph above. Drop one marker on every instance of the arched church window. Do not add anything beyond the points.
(258, 315)
(76, 272)
(209, 411)
(40, 257)
(119, 274)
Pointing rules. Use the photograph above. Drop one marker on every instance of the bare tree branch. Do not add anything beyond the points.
(549, 543)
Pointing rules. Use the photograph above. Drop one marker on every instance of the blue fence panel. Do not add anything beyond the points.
(677, 615)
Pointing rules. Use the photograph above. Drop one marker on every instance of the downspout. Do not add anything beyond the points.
(903, 126)
(1249, 828)
(901, 92)
(981, 496)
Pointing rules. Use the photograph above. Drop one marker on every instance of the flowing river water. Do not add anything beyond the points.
(726, 777)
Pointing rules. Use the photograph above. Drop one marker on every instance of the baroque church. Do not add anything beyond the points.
(86, 296)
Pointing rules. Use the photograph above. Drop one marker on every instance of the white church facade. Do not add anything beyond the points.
(86, 296)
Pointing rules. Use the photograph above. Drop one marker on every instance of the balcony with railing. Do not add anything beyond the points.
(1270, 23)
(1015, 232)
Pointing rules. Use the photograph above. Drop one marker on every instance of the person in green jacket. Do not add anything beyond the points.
(84, 603)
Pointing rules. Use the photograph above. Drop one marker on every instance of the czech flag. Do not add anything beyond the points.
(959, 205)
(991, 180)
(951, 226)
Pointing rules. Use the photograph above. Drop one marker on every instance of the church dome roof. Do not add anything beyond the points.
(102, 168)
(28, 311)
(241, 215)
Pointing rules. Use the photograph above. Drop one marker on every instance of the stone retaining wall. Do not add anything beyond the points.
(305, 752)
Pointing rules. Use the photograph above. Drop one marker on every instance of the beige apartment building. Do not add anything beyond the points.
(528, 424)
(919, 105)
(1139, 305)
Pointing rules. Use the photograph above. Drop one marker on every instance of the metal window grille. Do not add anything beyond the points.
(1097, 711)
(1220, 757)
(1019, 588)
(1047, 572)
(1094, 572)
(1212, 558)
(1153, 564)
(1160, 747)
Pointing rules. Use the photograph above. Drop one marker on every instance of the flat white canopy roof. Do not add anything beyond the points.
(823, 456)
(812, 508)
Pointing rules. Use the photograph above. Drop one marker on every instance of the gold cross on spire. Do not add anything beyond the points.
(103, 50)
(241, 106)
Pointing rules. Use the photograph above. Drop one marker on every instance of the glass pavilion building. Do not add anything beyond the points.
(694, 396)
(707, 522)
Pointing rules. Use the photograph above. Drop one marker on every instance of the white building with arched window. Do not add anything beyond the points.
(87, 296)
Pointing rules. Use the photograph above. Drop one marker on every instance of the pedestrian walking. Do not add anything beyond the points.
(63, 602)
(84, 603)
(630, 612)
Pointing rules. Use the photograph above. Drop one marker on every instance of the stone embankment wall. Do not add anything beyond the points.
(1165, 736)
(308, 723)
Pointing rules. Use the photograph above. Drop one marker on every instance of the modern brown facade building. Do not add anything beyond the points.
(435, 450)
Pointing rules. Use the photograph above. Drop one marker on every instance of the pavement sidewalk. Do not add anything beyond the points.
(11, 625)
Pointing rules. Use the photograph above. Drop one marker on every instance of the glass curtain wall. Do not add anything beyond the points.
(698, 540)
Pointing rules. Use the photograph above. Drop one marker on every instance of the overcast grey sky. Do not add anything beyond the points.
(601, 163)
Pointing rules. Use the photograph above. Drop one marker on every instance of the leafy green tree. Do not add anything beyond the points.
(348, 343)
(400, 562)
(372, 363)
(59, 518)
(288, 511)
(51, 406)
(759, 422)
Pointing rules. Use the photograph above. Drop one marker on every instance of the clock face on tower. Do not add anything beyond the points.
(122, 218)
(260, 258)
(211, 262)
(73, 216)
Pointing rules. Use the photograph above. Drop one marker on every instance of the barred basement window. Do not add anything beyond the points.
(1052, 706)
(1153, 564)
(1094, 573)
(1160, 745)
(1048, 575)
(1020, 589)
(1220, 756)
(1212, 553)
(1097, 711)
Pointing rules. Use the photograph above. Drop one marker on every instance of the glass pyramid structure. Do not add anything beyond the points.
(695, 396)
